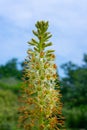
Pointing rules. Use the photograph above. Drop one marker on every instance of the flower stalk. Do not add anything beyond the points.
(40, 105)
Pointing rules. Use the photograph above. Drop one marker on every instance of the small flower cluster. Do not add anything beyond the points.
(41, 108)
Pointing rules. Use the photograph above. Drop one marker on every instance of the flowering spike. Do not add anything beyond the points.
(40, 108)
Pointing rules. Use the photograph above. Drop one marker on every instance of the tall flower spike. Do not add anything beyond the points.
(41, 108)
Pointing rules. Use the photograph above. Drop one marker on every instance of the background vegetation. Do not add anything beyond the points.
(73, 88)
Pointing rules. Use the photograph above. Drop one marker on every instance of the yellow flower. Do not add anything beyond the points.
(54, 66)
(48, 77)
(41, 54)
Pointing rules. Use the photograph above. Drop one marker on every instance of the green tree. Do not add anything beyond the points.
(74, 91)
(10, 69)
(74, 84)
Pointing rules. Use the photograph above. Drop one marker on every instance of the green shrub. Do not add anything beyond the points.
(8, 110)
(76, 118)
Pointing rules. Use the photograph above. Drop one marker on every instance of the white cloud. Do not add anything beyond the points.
(63, 13)
(68, 24)
(15, 12)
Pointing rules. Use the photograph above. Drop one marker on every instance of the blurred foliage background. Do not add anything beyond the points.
(73, 88)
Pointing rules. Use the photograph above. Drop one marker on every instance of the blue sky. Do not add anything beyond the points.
(67, 20)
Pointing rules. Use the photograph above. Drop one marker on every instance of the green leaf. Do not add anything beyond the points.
(36, 49)
(48, 44)
(34, 94)
(35, 33)
(50, 51)
(32, 43)
(49, 36)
